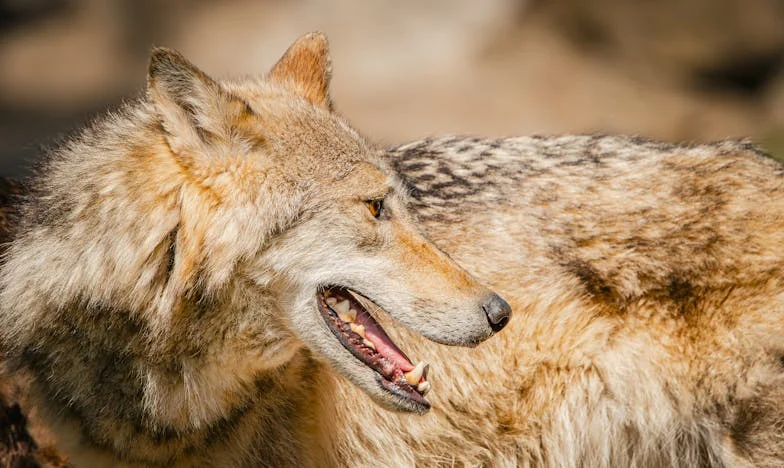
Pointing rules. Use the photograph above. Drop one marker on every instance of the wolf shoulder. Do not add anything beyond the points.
(586, 169)
(585, 155)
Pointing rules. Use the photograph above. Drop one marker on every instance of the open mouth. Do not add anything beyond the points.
(359, 333)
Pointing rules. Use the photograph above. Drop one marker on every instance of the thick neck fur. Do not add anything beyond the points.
(114, 320)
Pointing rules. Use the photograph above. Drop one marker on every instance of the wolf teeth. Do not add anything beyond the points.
(424, 387)
(413, 376)
(342, 307)
(358, 329)
(344, 310)
(369, 344)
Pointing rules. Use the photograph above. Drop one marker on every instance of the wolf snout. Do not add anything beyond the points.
(497, 311)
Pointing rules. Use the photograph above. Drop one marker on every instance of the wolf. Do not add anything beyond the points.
(225, 273)
(184, 270)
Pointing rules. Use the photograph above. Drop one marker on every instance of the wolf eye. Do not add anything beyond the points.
(376, 207)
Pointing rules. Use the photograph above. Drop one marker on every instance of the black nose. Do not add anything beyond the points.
(497, 311)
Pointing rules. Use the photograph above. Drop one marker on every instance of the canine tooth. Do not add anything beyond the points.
(424, 387)
(369, 344)
(413, 376)
(358, 329)
(342, 307)
(331, 301)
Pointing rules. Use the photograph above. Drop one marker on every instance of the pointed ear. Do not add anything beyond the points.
(306, 69)
(192, 105)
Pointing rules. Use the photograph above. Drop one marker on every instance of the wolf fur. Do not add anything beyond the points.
(160, 288)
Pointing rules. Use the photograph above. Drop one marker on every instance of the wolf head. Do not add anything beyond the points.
(252, 192)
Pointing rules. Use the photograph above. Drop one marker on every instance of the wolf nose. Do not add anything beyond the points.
(498, 311)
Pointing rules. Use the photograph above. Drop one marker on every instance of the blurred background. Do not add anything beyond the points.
(670, 69)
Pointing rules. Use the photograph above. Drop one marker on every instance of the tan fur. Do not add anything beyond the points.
(306, 68)
(160, 289)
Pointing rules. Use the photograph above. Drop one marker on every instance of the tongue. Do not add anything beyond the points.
(384, 345)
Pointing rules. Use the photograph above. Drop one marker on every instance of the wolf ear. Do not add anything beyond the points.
(192, 105)
(306, 69)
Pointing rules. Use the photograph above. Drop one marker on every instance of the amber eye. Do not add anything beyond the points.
(376, 207)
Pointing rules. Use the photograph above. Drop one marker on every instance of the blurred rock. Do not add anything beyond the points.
(732, 44)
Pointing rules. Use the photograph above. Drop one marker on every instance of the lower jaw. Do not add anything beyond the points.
(409, 401)
(404, 396)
